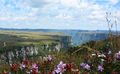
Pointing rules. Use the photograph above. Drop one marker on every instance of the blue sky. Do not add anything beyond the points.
(58, 14)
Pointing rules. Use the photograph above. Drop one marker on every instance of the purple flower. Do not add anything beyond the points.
(27, 72)
(100, 68)
(117, 55)
(23, 66)
(59, 70)
(109, 52)
(82, 64)
(49, 58)
(87, 67)
(88, 61)
(34, 66)
(61, 65)
(20, 67)
(102, 60)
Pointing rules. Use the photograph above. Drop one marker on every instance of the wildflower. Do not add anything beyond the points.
(102, 60)
(61, 65)
(109, 52)
(117, 55)
(93, 54)
(27, 72)
(100, 68)
(60, 70)
(23, 66)
(88, 61)
(53, 72)
(102, 55)
(49, 58)
(82, 64)
(74, 70)
(34, 66)
(87, 67)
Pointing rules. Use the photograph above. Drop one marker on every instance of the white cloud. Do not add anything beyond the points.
(64, 17)
(4, 18)
(39, 3)
(59, 13)
(70, 3)
(113, 1)
(20, 18)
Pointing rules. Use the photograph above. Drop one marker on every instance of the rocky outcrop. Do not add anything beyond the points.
(65, 41)
(20, 54)
(52, 47)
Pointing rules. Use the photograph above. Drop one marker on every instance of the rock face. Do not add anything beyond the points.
(52, 47)
(65, 41)
(83, 37)
(30, 51)
(20, 54)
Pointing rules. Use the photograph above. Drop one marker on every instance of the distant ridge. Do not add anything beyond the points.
(78, 36)
(57, 30)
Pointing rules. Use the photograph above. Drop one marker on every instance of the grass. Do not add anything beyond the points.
(77, 58)
(24, 38)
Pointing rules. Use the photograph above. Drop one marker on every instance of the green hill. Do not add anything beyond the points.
(11, 39)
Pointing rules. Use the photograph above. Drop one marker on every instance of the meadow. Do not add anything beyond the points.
(93, 57)
(15, 39)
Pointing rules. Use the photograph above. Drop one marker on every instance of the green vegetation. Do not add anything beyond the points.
(13, 39)
(78, 59)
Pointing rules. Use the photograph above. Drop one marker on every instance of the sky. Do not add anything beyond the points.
(59, 14)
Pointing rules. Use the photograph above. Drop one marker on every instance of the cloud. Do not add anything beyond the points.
(4, 18)
(70, 3)
(113, 1)
(64, 17)
(39, 3)
(73, 14)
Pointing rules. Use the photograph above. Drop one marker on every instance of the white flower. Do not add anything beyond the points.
(93, 54)
(102, 55)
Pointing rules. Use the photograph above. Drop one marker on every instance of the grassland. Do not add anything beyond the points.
(21, 38)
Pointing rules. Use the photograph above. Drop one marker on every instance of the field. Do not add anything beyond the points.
(23, 38)
(93, 57)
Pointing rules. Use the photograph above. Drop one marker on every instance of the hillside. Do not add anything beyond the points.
(23, 38)
(78, 36)
(85, 58)
(91, 47)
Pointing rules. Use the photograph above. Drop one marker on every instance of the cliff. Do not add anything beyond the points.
(18, 54)
(65, 41)
(19, 45)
